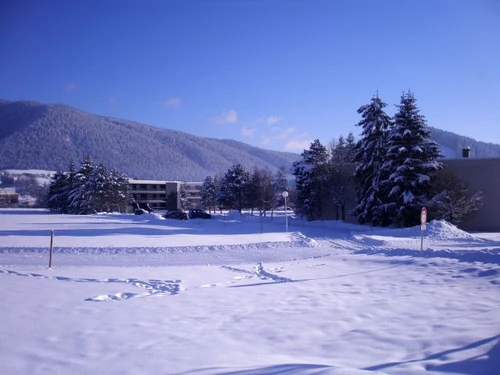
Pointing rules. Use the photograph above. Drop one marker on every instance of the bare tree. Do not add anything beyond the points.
(452, 200)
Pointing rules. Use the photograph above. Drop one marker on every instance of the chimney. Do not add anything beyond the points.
(466, 152)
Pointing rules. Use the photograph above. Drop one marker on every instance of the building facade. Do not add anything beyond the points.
(480, 174)
(8, 197)
(165, 195)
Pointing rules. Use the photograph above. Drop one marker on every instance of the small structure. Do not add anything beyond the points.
(466, 152)
(8, 197)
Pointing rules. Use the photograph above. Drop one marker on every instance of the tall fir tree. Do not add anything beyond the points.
(56, 197)
(78, 196)
(311, 177)
(411, 162)
(368, 157)
(96, 190)
(59, 189)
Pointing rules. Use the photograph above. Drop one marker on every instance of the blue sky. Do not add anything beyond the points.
(274, 74)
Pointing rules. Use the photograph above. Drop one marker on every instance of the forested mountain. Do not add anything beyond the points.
(49, 136)
(452, 145)
(39, 136)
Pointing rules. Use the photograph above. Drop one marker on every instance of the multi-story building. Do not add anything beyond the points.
(193, 193)
(165, 195)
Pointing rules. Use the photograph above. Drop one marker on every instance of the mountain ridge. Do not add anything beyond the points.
(48, 136)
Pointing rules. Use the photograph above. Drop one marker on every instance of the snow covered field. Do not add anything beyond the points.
(237, 295)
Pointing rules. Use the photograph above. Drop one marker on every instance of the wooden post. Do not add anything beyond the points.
(51, 246)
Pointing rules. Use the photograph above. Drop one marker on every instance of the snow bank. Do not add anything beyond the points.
(441, 229)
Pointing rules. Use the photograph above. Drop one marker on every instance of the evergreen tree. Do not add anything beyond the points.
(411, 162)
(88, 190)
(368, 157)
(70, 184)
(260, 191)
(118, 195)
(96, 190)
(218, 186)
(252, 191)
(183, 197)
(341, 183)
(350, 147)
(56, 197)
(311, 177)
(78, 196)
(233, 186)
(208, 193)
(338, 150)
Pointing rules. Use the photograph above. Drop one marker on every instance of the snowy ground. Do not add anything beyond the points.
(237, 295)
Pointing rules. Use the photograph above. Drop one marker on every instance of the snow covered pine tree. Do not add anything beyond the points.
(311, 178)
(410, 164)
(369, 156)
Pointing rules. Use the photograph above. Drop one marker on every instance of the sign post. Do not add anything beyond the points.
(423, 222)
(285, 195)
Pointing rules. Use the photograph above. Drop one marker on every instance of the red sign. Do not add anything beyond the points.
(423, 216)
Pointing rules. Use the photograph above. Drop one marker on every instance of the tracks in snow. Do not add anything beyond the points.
(151, 287)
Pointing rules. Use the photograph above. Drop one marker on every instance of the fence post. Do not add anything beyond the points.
(51, 246)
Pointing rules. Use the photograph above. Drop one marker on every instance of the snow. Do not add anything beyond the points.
(238, 295)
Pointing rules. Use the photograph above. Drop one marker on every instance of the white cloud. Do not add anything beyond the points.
(248, 132)
(280, 133)
(270, 120)
(69, 87)
(288, 137)
(226, 117)
(173, 102)
(297, 144)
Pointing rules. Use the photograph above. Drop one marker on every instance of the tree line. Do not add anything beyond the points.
(389, 174)
(240, 189)
(386, 177)
(89, 189)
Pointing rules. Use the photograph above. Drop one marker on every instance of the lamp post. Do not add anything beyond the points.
(285, 195)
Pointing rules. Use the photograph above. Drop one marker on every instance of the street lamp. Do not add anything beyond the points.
(285, 195)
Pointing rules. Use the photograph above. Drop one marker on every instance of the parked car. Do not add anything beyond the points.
(177, 214)
(197, 213)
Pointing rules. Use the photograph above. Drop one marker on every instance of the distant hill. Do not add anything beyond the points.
(49, 136)
(452, 145)
(39, 136)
